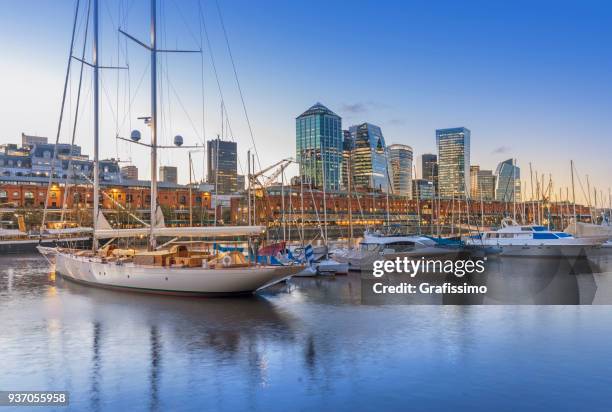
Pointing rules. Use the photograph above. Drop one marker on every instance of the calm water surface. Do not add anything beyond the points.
(308, 345)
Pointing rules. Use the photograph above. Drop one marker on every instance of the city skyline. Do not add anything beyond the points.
(524, 87)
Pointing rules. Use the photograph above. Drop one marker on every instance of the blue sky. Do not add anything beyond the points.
(530, 79)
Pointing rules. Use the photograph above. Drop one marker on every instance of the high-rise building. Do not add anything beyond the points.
(400, 161)
(168, 174)
(129, 172)
(422, 189)
(508, 187)
(482, 183)
(474, 169)
(486, 185)
(222, 165)
(453, 162)
(319, 146)
(369, 160)
(429, 166)
(347, 151)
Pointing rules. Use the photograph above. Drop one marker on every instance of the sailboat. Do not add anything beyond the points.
(174, 268)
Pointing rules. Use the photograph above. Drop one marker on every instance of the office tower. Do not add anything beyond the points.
(319, 146)
(474, 181)
(453, 162)
(400, 161)
(422, 189)
(486, 185)
(168, 174)
(129, 172)
(508, 187)
(222, 162)
(347, 150)
(429, 168)
(369, 160)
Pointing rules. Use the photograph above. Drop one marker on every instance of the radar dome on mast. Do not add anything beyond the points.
(135, 135)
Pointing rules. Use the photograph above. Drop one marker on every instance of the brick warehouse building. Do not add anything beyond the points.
(370, 210)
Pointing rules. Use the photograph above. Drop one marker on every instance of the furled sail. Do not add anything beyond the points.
(159, 217)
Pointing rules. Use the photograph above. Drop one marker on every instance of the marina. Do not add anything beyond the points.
(227, 206)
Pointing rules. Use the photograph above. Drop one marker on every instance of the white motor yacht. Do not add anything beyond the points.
(513, 239)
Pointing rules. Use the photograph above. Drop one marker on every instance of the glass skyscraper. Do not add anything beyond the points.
(319, 145)
(369, 161)
(400, 160)
(222, 165)
(347, 152)
(508, 186)
(429, 168)
(482, 183)
(453, 162)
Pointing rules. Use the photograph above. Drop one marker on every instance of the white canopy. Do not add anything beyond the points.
(208, 231)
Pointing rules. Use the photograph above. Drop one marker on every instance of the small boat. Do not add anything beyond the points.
(513, 239)
(331, 267)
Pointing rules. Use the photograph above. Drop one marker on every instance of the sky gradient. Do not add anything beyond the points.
(531, 80)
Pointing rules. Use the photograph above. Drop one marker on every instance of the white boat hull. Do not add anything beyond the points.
(329, 266)
(169, 280)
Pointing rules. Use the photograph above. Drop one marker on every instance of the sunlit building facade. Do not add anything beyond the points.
(453, 162)
(319, 146)
(482, 183)
(347, 151)
(400, 163)
(369, 160)
(508, 187)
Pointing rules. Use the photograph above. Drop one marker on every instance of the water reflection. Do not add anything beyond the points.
(307, 344)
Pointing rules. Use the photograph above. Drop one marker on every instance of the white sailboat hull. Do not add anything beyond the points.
(168, 280)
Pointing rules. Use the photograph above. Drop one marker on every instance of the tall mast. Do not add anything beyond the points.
(96, 160)
(514, 189)
(153, 124)
(574, 196)
(350, 197)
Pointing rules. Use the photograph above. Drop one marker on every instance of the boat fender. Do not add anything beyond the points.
(226, 261)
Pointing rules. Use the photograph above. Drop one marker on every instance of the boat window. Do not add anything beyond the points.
(562, 234)
(540, 236)
(403, 246)
(526, 229)
(539, 228)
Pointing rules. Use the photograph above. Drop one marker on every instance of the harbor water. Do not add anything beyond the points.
(309, 344)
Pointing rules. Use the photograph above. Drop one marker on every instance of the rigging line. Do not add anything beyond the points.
(108, 98)
(178, 8)
(238, 82)
(76, 114)
(59, 125)
(135, 94)
(178, 98)
(212, 57)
